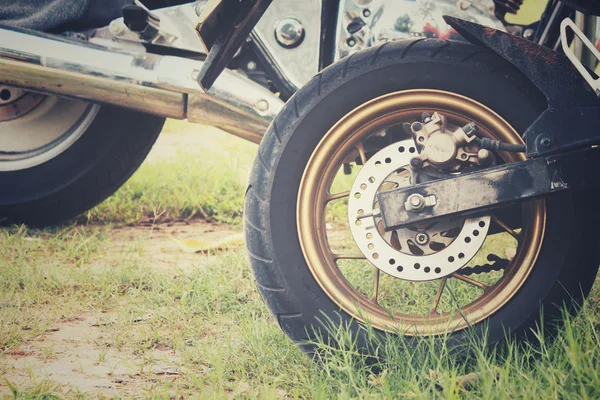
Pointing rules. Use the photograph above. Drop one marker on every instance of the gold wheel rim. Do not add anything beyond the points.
(346, 136)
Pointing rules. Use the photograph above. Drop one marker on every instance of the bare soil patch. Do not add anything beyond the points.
(158, 244)
(78, 356)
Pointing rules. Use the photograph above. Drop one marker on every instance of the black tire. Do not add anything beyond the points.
(93, 168)
(568, 260)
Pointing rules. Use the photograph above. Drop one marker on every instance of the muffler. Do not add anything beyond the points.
(160, 85)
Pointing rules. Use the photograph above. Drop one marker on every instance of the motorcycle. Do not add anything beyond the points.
(418, 139)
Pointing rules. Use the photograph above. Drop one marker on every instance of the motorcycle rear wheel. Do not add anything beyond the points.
(61, 157)
(300, 277)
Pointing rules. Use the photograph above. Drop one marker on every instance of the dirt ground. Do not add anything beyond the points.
(72, 353)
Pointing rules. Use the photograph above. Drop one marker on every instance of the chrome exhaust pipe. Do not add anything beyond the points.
(160, 85)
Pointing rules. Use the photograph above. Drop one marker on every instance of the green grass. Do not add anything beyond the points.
(205, 183)
(213, 319)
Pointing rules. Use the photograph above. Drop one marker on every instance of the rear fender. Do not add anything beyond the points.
(566, 92)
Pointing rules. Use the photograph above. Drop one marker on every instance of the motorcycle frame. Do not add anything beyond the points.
(158, 74)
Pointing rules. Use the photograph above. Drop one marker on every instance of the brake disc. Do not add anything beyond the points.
(418, 253)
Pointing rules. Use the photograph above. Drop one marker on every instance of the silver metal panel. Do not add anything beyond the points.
(386, 20)
(161, 85)
(298, 65)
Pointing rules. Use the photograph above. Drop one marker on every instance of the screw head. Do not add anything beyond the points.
(421, 238)
(351, 42)
(262, 105)
(251, 65)
(116, 28)
(483, 154)
(528, 33)
(464, 156)
(546, 142)
(366, 13)
(289, 32)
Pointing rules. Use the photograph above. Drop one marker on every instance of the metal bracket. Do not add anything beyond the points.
(481, 191)
(567, 22)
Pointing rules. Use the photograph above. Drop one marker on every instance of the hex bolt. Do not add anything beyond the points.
(470, 128)
(416, 126)
(546, 142)
(416, 162)
(426, 117)
(251, 65)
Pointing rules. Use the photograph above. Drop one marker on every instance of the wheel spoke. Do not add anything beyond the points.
(348, 257)
(507, 228)
(336, 196)
(438, 296)
(470, 281)
(375, 285)
(361, 151)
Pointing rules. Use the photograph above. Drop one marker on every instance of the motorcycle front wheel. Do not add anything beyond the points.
(60, 157)
(503, 272)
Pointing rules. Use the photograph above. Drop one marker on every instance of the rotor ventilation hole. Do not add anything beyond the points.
(417, 265)
(427, 269)
(357, 195)
(388, 160)
(392, 261)
(369, 235)
(376, 255)
(378, 163)
(437, 270)
(411, 150)
(363, 186)
(371, 246)
(401, 149)
(399, 268)
(468, 239)
(461, 255)
(372, 179)
(481, 224)
(475, 232)
(358, 222)
(450, 259)
(360, 212)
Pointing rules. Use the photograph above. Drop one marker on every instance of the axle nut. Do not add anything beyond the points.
(415, 202)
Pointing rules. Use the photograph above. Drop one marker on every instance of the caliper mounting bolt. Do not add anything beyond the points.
(416, 162)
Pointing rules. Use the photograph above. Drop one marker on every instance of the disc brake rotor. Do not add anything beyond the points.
(419, 253)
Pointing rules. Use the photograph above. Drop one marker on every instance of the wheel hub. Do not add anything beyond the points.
(15, 102)
(417, 253)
